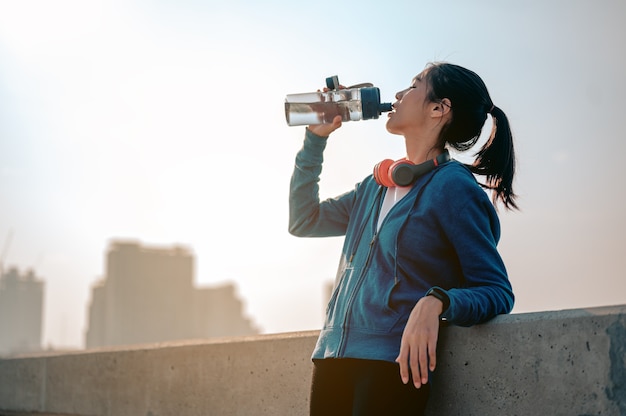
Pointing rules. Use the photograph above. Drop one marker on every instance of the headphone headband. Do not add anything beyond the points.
(405, 172)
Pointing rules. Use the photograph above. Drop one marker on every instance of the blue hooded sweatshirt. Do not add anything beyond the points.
(443, 234)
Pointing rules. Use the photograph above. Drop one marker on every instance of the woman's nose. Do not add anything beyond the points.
(400, 94)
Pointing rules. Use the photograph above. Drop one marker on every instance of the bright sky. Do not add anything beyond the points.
(162, 122)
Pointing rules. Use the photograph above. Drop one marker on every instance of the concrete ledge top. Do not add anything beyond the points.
(499, 320)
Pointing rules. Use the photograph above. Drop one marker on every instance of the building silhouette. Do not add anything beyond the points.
(148, 296)
(21, 312)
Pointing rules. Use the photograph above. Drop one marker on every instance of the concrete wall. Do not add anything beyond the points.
(555, 363)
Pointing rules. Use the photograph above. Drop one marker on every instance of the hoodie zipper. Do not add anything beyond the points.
(346, 319)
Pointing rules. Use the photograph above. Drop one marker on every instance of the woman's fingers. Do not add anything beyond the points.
(324, 130)
(418, 347)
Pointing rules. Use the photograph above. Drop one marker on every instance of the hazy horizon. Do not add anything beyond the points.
(162, 122)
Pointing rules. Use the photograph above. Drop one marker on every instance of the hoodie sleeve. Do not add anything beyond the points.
(308, 217)
(471, 224)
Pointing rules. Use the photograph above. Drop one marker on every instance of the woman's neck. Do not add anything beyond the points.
(422, 149)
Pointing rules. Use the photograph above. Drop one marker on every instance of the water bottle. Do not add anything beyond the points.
(359, 102)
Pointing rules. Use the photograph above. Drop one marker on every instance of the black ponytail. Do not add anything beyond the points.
(496, 160)
(470, 104)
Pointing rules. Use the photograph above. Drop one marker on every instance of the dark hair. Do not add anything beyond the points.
(470, 104)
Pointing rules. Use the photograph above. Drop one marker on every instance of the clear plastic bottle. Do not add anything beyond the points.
(353, 104)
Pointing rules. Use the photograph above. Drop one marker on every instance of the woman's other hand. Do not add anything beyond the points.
(418, 348)
(324, 130)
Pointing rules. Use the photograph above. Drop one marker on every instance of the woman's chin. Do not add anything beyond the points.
(391, 128)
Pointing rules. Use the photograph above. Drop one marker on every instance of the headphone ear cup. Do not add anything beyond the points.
(381, 173)
(400, 173)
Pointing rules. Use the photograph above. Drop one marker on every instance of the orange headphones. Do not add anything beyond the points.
(403, 172)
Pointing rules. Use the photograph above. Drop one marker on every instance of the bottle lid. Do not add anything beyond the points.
(371, 105)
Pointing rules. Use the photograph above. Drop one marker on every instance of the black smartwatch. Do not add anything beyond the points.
(440, 294)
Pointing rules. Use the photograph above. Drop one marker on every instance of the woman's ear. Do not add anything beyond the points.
(441, 108)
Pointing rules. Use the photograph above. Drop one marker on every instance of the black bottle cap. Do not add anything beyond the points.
(370, 102)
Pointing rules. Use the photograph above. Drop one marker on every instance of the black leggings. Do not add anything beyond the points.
(354, 387)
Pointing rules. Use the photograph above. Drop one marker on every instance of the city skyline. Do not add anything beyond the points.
(146, 296)
(164, 123)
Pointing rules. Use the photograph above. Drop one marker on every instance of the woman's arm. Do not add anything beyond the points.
(474, 232)
(308, 217)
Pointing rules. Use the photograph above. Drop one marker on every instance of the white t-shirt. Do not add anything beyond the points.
(392, 196)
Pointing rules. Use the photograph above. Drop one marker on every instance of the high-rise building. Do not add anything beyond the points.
(148, 296)
(21, 312)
